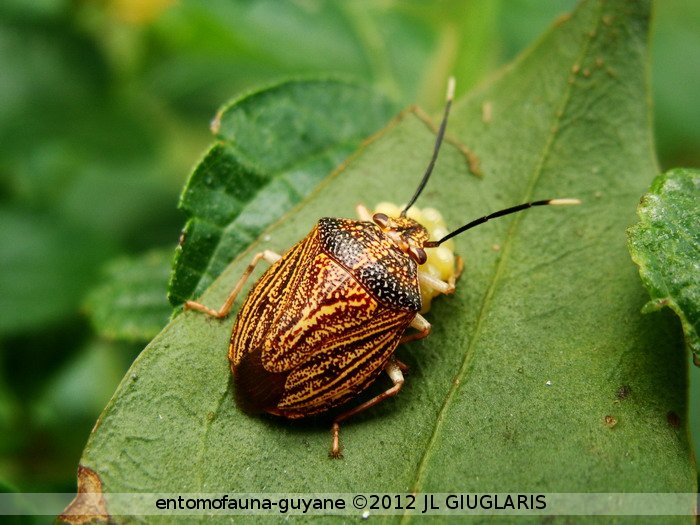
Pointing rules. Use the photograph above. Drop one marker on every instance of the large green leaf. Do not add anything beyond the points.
(666, 246)
(274, 146)
(543, 340)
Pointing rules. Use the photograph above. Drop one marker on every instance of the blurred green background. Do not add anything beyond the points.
(104, 109)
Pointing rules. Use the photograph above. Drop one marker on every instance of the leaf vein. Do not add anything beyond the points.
(486, 302)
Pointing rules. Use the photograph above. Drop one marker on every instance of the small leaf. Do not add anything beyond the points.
(130, 304)
(274, 147)
(665, 244)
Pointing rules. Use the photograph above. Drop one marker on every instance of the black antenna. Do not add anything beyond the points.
(507, 211)
(436, 149)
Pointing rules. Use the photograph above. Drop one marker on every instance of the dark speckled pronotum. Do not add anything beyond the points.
(324, 320)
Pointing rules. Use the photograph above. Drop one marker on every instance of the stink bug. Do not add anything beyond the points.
(324, 320)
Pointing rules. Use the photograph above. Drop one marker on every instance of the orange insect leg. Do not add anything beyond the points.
(420, 324)
(394, 371)
(269, 256)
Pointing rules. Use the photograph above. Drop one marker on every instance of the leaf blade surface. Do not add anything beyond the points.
(511, 390)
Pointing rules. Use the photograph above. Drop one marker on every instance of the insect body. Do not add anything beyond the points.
(324, 320)
(331, 312)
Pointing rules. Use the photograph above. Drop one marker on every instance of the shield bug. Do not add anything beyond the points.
(324, 320)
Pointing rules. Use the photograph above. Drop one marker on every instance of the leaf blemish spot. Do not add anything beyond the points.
(674, 420)
(89, 504)
(610, 421)
(623, 392)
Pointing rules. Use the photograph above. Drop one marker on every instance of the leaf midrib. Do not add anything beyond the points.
(500, 265)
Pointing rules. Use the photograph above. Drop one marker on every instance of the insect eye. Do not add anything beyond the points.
(417, 254)
(381, 220)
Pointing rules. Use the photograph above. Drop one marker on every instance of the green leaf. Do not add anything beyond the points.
(665, 244)
(82, 386)
(130, 304)
(274, 146)
(42, 278)
(116, 168)
(9, 412)
(542, 341)
(677, 119)
(406, 49)
(65, 406)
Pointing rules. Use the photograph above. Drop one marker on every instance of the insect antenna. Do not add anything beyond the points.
(436, 149)
(501, 213)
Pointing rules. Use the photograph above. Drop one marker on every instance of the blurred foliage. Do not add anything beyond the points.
(104, 107)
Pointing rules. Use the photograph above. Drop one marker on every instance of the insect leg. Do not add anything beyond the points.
(394, 371)
(363, 213)
(269, 256)
(458, 271)
(436, 284)
(473, 162)
(402, 366)
(422, 325)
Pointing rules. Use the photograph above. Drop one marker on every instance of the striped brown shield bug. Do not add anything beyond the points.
(324, 320)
